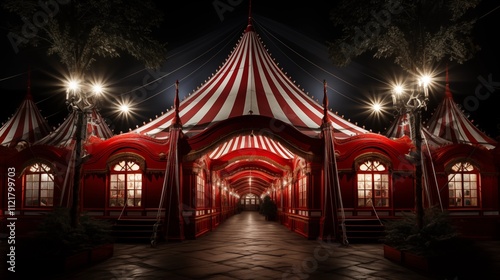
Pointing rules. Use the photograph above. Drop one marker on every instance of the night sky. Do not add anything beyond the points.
(199, 37)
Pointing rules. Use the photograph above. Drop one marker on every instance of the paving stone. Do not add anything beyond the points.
(246, 246)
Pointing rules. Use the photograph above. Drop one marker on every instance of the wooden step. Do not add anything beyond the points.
(135, 230)
(363, 230)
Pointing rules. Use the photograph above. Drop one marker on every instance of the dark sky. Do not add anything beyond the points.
(200, 35)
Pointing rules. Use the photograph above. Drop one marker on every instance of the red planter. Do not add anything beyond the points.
(76, 261)
(88, 257)
(416, 262)
(101, 253)
(408, 259)
(393, 254)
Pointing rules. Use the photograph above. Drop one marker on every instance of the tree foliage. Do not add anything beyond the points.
(80, 31)
(415, 33)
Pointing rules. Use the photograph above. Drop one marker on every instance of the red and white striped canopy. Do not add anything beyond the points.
(64, 135)
(450, 123)
(401, 127)
(249, 82)
(247, 141)
(26, 124)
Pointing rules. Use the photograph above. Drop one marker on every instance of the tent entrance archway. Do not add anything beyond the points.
(253, 165)
(250, 202)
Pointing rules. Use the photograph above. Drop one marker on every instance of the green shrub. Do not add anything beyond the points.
(433, 239)
(56, 237)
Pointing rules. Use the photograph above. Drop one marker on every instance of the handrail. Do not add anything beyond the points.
(123, 210)
(375, 211)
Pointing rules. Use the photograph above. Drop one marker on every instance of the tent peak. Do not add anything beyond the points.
(447, 90)
(249, 25)
(28, 92)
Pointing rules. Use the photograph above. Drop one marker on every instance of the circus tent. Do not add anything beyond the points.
(401, 127)
(26, 124)
(449, 122)
(249, 83)
(64, 135)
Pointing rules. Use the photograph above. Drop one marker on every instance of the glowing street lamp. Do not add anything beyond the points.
(411, 102)
(81, 98)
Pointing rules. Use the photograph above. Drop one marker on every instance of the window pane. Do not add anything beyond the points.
(373, 184)
(463, 192)
(127, 176)
(38, 186)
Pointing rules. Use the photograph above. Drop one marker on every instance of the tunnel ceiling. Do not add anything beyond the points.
(250, 164)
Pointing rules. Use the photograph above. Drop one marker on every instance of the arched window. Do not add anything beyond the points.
(125, 184)
(302, 182)
(38, 186)
(250, 199)
(463, 185)
(373, 184)
(200, 190)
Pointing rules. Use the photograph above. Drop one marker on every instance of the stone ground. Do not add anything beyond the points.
(247, 247)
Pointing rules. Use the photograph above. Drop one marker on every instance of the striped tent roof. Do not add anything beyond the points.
(249, 82)
(248, 141)
(401, 127)
(64, 135)
(449, 122)
(26, 124)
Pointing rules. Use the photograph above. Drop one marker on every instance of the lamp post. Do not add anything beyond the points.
(411, 102)
(81, 99)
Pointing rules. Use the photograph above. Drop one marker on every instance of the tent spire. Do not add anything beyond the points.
(447, 90)
(177, 120)
(28, 93)
(325, 103)
(249, 26)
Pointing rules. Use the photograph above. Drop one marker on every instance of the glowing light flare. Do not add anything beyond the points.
(124, 108)
(376, 107)
(97, 88)
(398, 89)
(425, 80)
(73, 85)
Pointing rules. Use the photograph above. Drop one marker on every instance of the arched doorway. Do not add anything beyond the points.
(250, 202)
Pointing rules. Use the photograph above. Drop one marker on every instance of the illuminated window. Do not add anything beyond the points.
(125, 184)
(463, 184)
(251, 199)
(200, 191)
(303, 191)
(289, 195)
(373, 184)
(38, 186)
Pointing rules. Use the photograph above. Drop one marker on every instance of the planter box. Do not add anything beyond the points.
(101, 253)
(416, 261)
(76, 261)
(408, 259)
(393, 254)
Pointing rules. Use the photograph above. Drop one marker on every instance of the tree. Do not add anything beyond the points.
(417, 34)
(80, 32)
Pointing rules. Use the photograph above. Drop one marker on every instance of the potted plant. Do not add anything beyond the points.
(269, 208)
(60, 244)
(421, 248)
